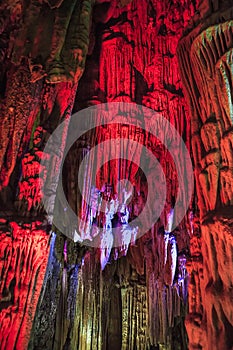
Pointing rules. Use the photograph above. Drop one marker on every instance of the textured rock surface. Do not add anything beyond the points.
(31, 108)
(133, 59)
(24, 251)
(132, 296)
(206, 64)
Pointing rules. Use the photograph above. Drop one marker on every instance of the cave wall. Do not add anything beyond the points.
(38, 86)
(205, 56)
(57, 294)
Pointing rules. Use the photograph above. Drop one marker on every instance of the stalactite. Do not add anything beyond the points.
(143, 71)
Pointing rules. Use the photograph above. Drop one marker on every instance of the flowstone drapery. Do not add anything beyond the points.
(205, 56)
(31, 108)
(125, 293)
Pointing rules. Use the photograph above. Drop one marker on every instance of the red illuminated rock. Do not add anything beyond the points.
(202, 51)
(128, 293)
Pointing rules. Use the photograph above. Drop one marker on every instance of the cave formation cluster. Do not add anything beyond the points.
(172, 288)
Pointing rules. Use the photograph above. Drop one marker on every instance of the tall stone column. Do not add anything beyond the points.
(205, 55)
(44, 46)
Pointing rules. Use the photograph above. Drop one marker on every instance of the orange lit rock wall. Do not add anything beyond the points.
(205, 56)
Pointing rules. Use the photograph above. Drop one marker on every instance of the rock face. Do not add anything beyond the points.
(205, 56)
(31, 108)
(23, 251)
(133, 59)
(109, 290)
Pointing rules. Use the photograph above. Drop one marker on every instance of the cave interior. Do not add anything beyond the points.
(116, 174)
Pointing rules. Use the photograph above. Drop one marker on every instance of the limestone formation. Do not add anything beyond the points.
(115, 285)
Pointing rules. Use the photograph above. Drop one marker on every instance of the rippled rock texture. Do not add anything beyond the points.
(105, 291)
(205, 56)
